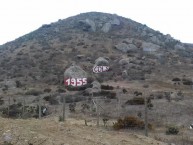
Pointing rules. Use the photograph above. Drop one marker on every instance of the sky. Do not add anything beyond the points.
(19, 17)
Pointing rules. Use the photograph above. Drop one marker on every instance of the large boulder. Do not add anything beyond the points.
(150, 47)
(75, 72)
(115, 21)
(124, 61)
(126, 47)
(179, 47)
(86, 25)
(92, 24)
(106, 28)
(101, 61)
(155, 40)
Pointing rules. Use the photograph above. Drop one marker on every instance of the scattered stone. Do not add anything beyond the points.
(101, 61)
(125, 47)
(124, 61)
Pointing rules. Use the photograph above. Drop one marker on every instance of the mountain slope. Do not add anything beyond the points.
(45, 53)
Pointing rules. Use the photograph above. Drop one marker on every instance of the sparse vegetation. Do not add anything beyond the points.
(128, 122)
(176, 79)
(107, 87)
(172, 130)
(136, 101)
(33, 92)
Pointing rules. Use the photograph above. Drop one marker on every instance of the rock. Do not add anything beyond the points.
(96, 88)
(154, 39)
(96, 85)
(150, 47)
(106, 28)
(144, 33)
(86, 25)
(179, 47)
(101, 61)
(88, 59)
(10, 83)
(80, 56)
(150, 35)
(124, 61)
(168, 38)
(92, 24)
(115, 21)
(124, 74)
(75, 72)
(125, 47)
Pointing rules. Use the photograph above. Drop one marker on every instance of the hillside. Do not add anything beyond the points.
(143, 63)
(43, 55)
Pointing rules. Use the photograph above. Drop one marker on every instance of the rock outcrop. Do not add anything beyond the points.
(75, 72)
(101, 61)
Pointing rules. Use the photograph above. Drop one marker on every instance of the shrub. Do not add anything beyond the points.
(108, 94)
(71, 88)
(188, 82)
(172, 130)
(124, 90)
(33, 92)
(47, 90)
(51, 99)
(61, 90)
(136, 101)
(72, 107)
(140, 101)
(1, 101)
(137, 93)
(14, 111)
(60, 118)
(107, 87)
(18, 84)
(84, 107)
(176, 79)
(128, 122)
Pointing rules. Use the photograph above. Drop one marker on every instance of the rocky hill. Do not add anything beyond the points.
(142, 61)
(43, 55)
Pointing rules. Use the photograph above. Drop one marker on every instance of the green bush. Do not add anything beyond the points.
(172, 130)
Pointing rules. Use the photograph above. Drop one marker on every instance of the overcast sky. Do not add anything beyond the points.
(19, 17)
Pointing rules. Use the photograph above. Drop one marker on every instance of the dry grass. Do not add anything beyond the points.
(73, 132)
